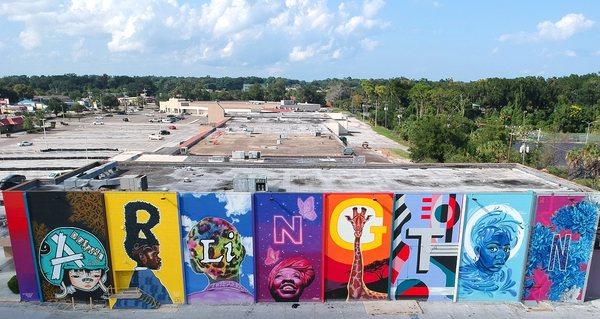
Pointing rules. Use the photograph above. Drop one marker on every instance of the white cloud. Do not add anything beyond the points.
(30, 39)
(562, 29)
(187, 223)
(597, 53)
(369, 44)
(235, 204)
(216, 32)
(251, 280)
(495, 50)
(79, 50)
(570, 53)
(371, 7)
(300, 54)
(247, 242)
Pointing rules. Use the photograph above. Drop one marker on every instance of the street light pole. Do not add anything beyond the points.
(587, 134)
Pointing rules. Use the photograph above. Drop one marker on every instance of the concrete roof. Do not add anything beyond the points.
(380, 178)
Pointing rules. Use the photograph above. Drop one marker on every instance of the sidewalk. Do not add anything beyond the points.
(330, 310)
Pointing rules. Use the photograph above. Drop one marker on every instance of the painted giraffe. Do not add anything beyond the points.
(357, 290)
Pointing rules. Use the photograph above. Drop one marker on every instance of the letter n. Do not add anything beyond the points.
(560, 251)
(283, 229)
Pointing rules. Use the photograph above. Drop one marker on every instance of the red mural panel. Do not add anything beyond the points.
(20, 239)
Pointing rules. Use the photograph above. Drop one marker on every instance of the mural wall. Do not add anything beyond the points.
(289, 237)
(357, 245)
(143, 230)
(20, 239)
(425, 246)
(494, 246)
(217, 231)
(135, 247)
(560, 250)
(70, 245)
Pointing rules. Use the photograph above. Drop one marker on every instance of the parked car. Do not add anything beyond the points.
(108, 115)
(155, 137)
(98, 123)
(172, 127)
(164, 132)
(64, 123)
(25, 143)
(11, 180)
(154, 120)
(149, 114)
(168, 120)
(125, 119)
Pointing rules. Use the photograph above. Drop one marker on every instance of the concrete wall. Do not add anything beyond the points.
(349, 246)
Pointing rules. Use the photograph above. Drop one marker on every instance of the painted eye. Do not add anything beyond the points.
(494, 249)
(506, 249)
(230, 235)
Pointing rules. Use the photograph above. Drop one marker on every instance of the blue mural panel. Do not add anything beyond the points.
(425, 246)
(494, 246)
(217, 230)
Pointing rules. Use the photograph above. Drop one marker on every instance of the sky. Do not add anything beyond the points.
(301, 39)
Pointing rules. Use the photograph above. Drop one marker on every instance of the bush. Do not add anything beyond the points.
(13, 285)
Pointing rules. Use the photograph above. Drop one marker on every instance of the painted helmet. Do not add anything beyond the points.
(66, 248)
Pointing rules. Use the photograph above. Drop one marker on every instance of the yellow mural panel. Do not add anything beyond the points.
(144, 234)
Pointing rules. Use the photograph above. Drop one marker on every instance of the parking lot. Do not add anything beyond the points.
(81, 142)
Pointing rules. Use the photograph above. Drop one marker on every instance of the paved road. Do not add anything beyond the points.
(330, 310)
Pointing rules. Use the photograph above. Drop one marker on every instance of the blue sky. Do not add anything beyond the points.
(303, 39)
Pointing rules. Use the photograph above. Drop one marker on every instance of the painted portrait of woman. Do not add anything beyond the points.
(491, 238)
(288, 279)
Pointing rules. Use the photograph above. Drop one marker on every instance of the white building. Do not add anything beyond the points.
(179, 106)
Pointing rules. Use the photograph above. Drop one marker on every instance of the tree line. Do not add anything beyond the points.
(443, 121)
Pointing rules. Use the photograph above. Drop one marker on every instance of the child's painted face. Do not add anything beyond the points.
(85, 280)
(495, 252)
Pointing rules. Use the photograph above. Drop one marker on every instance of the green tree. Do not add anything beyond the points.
(109, 101)
(275, 90)
(437, 138)
(418, 95)
(23, 91)
(56, 106)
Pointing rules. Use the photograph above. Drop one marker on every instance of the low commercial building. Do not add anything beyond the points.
(458, 232)
(179, 106)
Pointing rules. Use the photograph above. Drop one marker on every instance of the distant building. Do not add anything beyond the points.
(179, 106)
(300, 107)
(11, 124)
(246, 87)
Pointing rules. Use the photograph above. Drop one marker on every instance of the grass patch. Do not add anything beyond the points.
(401, 153)
(589, 182)
(389, 134)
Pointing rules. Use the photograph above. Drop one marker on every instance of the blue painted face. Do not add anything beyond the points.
(494, 252)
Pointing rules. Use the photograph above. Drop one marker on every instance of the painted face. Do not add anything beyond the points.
(287, 285)
(85, 280)
(152, 258)
(494, 252)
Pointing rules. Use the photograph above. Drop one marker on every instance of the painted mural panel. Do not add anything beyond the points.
(357, 245)
(20, 239)
(494, 246)
(425, 246)
(146, 255)
(217, 233)
(289, 237)
(70, 244)
(560, 250)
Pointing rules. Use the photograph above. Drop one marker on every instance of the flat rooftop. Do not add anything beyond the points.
(376, 178)
(273, 136)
